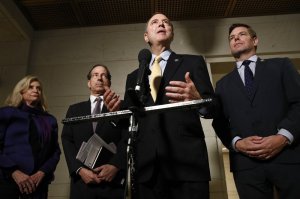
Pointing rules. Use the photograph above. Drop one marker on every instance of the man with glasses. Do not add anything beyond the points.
(259, 121)
(105, 180)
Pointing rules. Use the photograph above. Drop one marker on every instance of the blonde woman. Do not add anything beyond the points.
(29, 150)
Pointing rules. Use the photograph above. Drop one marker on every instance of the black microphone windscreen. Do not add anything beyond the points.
(145, 55)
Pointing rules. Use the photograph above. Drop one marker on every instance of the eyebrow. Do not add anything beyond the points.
(164, 20)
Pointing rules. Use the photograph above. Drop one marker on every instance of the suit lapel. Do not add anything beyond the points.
(86, 110)
(237, 81)
(171, 67)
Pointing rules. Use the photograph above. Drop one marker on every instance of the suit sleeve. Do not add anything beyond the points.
(70, 151)
(203, 84)
(291, 83)
(221, 123)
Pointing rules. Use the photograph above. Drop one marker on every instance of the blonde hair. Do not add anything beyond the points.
(15, 99)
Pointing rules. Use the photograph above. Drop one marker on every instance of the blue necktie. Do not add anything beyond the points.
(248, 77)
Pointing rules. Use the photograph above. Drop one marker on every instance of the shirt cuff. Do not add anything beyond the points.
(286, 134)
(77, 171)
(235, 139)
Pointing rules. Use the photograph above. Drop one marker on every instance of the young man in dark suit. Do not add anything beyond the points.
(104, 181)
(171, 153)
(259, 121)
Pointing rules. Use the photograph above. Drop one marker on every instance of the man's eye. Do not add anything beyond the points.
(167, 22)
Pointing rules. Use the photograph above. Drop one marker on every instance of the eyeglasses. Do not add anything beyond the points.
(98, 76)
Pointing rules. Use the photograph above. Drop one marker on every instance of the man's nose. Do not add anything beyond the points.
(236, 37)
(100, 78)
(161, 23)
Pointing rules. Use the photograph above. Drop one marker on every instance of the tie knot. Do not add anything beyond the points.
(98, 99)
(157, 59)
(246, 62)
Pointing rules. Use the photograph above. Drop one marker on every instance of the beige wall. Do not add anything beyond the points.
(15, 39)
(61, 58)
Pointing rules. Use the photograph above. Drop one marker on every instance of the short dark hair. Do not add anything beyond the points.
(250, 29)
(89, 75)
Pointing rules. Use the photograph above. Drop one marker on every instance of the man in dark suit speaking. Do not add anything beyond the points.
(104, 180)
(171, 154)
(259, 121)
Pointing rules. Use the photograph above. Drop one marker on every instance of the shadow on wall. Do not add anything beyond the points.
(203, 38)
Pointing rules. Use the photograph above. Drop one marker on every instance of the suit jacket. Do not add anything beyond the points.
(74, 134)
(173, 141)
(15, 147)
(275, 104)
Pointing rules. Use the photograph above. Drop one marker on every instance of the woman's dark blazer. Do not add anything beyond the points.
(15, 148)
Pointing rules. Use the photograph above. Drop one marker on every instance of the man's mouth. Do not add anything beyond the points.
(237, 44)
(161, 31)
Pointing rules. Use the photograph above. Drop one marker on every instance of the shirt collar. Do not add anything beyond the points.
(164, 55)
(92, 98)
(252, 58)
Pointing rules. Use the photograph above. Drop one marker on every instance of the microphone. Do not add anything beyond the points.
(144, 59)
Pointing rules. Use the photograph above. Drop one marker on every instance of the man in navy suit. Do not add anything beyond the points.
(259, 121)
(171, 153)
(104, 181)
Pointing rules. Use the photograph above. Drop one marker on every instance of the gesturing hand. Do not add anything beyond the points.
(179, 91)
(111, 100)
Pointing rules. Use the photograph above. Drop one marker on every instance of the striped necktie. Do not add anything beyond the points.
(97, 110)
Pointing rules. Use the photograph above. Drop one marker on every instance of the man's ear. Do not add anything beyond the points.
(89, 84)
(146, 37)
(255, 41)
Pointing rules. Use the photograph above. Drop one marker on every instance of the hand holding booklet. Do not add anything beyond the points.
(90, 150)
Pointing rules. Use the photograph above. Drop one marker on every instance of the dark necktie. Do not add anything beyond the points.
(248, 77)
(97, 110)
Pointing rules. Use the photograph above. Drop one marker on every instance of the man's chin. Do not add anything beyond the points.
(100, 91)
(236, 54)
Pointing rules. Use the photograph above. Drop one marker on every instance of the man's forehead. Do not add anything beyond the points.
(239, 29)
(158, 16)
(97, 68)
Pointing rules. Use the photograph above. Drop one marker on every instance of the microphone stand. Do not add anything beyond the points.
(137, 97)
(131, 152)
